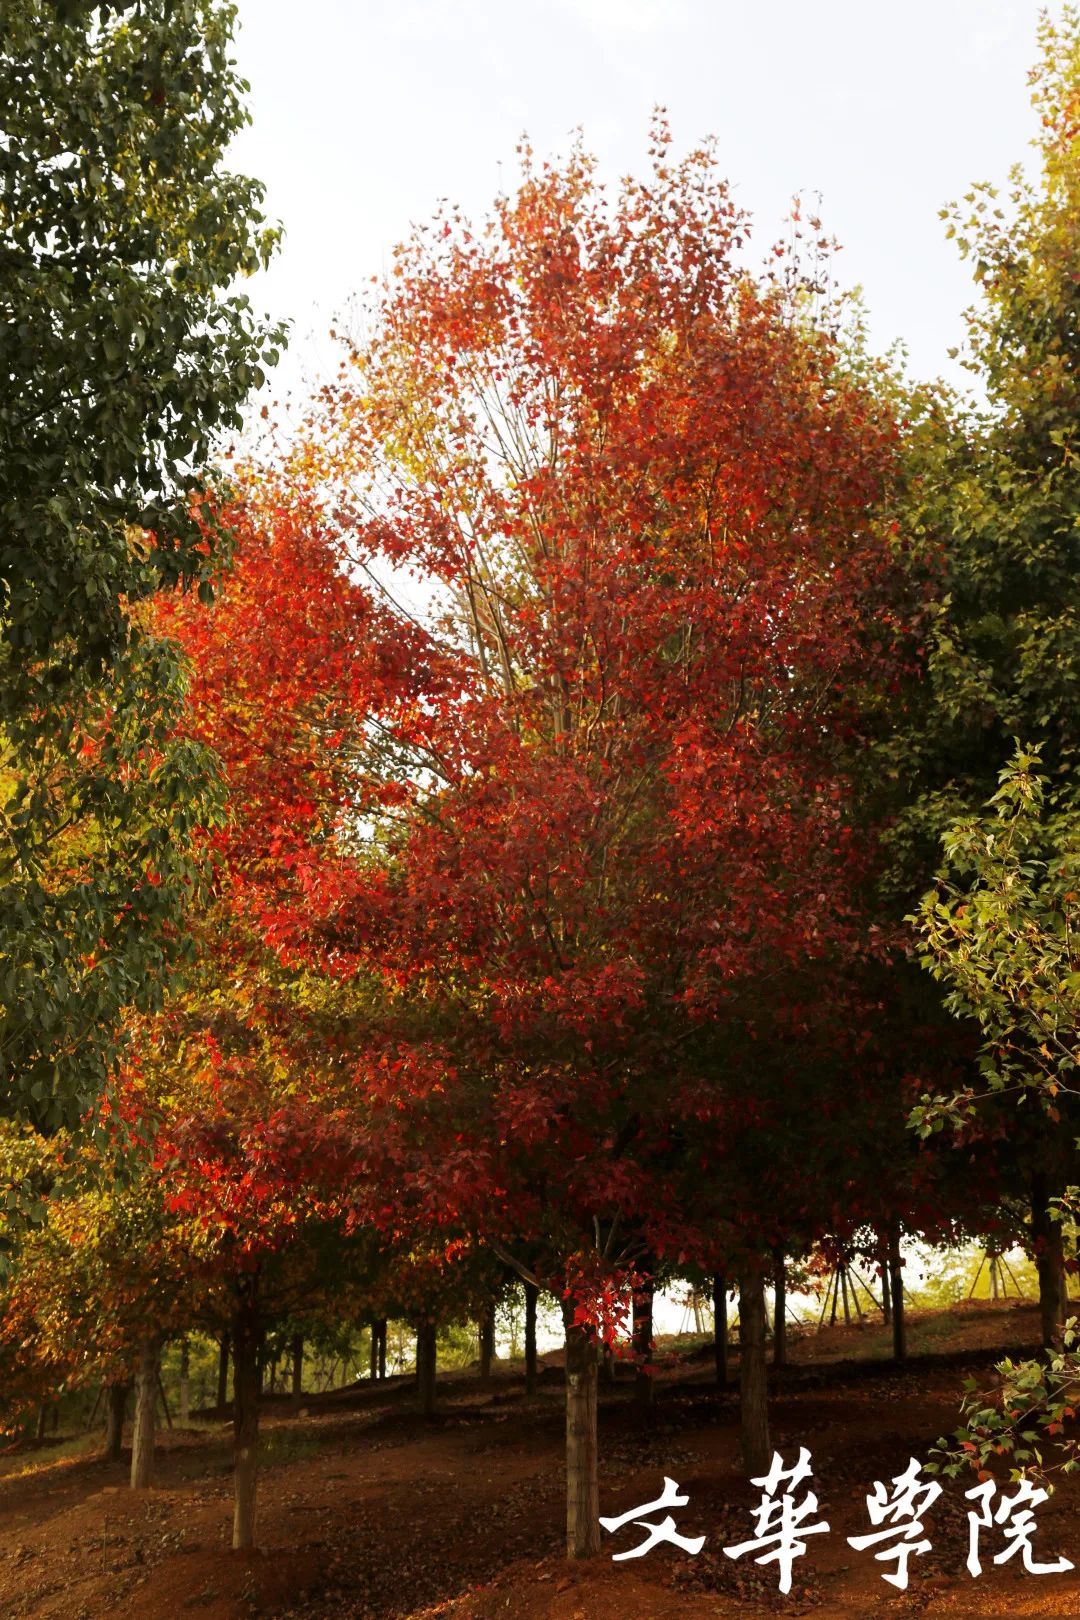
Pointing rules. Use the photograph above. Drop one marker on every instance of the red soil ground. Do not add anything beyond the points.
(366, 1512)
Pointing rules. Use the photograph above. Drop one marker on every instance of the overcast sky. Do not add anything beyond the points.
(368, 111)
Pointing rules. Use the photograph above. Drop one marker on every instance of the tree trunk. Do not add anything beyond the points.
(487, 1342)
(780, 1310)
(42, 1420)
(223, 1376)
(373, 1370)
(246, 1341)
(185, 1382)
(146, 1392)
(297, 1371)
(753, 1405)
(896, 1290)
(382, 1346)
(164, 1401)
(532, 1295)
(426, 1359)
(1049, 1263)
(886, 1291)
(644, 1385)
(582, 1487)
(115, 1404)
(720, 1328)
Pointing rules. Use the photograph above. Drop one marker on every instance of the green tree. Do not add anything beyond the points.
(993, 521)
(994, 532)
(1000, 932)
(124, 350)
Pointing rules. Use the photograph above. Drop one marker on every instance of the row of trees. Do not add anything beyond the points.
(565, 743)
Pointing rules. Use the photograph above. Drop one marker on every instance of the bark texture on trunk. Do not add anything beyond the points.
(146, 1393)
(116, 1397)
(644, 1385)
(582, 1486)
(297, 1371)
(246, 1342)
(780, 1310)
(162, 1397)
(720, 1328)
(185, 1382)
(1049, 1263)
(896, 1291)
(425, 1364)
(532, 1295)
(223, 1376)
(886, 1291)
(753, 1403)
(486, 1335)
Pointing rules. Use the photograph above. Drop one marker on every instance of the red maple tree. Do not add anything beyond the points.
(612, 500)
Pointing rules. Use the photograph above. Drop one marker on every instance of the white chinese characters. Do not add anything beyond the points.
(781, 1524)
(664, 1531)
(1017, 1527)
(784, 1518)
(900, 1514)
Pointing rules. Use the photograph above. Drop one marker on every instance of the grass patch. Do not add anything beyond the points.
(280, 1446)
(54, 1454)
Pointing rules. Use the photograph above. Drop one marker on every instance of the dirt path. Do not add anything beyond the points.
(368, 1513)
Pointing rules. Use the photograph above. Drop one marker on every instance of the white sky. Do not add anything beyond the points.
(368, 111)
